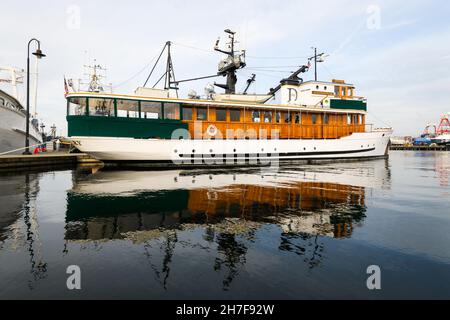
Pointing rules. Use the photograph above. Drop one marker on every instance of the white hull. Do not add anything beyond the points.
(12, 131)
(233, 152)
(442, 139)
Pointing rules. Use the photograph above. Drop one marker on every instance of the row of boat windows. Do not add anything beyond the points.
(6, 103)
(175, 111)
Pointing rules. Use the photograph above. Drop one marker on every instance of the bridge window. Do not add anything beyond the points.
(326, 119)
(202, 114)
(355, 119)
(126, 108)
(349, 119)
(314, 119)
(221, 115)
(76, 106)
(151, 110)
(298, 118)
(235, 115)
(172, 111)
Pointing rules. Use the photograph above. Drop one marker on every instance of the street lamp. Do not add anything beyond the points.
(39, 55)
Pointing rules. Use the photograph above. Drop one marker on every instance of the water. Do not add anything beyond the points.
(302, 232)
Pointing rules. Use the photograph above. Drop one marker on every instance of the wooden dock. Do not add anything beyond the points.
(46, 160)
(420, 148)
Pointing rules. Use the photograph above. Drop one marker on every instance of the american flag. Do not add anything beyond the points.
(66, 87)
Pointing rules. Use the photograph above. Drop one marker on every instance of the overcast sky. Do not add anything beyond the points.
(397, 53)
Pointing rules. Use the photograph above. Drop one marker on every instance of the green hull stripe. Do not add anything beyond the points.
(84, 126)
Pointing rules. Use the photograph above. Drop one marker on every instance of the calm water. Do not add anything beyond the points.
(298, 233)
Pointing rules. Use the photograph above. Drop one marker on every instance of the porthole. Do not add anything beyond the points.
(234, 150)
(211, 151)
(193, 151)
(176, 151)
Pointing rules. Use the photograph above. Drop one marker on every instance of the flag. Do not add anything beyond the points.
(66, 87)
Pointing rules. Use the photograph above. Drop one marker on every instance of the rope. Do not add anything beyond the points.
(11, 151)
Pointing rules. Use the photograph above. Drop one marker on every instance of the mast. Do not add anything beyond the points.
(35, 93)
(228, 66)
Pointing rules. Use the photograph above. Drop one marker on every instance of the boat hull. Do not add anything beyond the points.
(12, 131)
(232, 152)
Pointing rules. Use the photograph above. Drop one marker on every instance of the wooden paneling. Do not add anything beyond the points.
(336, 127)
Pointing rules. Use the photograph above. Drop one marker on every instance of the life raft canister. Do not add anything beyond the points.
(211, 130)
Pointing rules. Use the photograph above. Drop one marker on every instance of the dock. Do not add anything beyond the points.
(420, 148)
(49, 159)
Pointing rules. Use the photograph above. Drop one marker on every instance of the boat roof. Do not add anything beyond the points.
(208, 102)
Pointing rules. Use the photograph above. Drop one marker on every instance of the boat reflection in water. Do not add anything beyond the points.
(228, 208)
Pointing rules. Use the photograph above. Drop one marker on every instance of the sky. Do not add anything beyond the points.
(396, 53)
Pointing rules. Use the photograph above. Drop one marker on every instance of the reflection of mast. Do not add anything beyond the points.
(231, 255)
(38, 267)
(168, 247)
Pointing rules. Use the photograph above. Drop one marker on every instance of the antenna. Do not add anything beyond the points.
(317, 58)
(228, 66)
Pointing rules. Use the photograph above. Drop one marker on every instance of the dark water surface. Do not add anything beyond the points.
(305, 231)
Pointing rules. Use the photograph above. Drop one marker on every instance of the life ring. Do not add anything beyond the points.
(211, 130)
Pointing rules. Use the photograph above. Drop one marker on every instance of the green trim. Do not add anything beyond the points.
(86, 126)
(348, 104)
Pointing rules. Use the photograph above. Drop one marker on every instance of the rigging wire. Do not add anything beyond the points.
(137, 74)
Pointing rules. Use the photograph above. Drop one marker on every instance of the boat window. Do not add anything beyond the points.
(314, 119)
(256, 117)
(349, 119)
(288, 118)
(344, 91)
(221, 115)
(151, 110)
(2, 102)
(126, 108)
(336, 90)
(187, 113)
(235, 115)
(76, 107)
(172, 111)
(326, 119)
(202, 114)
(360, 119)
(298, 118)
(268, 116)
(99, 107)
(355, 119)
(278, 117)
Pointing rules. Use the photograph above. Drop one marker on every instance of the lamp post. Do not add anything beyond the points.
(39, 55)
